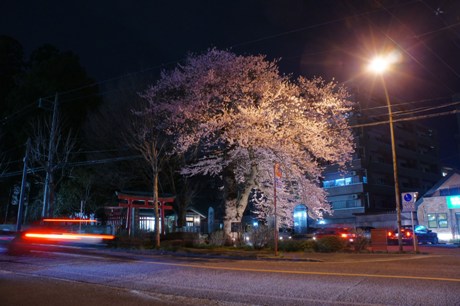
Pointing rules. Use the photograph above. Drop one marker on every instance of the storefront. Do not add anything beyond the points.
(439, 208)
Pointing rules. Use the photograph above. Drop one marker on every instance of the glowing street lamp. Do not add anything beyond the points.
(379, 65)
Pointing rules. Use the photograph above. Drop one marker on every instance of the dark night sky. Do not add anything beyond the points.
(330, 38)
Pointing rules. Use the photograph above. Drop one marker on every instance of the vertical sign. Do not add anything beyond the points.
(408, 201)
(210, 220)
(408, 204)
(277, 182)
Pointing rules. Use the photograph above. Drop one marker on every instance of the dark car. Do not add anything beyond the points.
(422, 234)
(344, 233)
(406, 236)
(425, 235)
(364, 231)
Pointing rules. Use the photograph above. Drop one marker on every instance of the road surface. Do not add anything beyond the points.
(126, 278)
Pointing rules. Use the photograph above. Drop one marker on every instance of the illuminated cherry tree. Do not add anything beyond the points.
(242, 116)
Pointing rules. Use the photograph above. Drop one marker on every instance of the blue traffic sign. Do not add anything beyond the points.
(407, 197)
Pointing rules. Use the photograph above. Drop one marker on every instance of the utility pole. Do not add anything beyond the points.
(23, 189)
(51, 148)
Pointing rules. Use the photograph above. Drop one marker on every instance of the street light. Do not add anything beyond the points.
(379, 65)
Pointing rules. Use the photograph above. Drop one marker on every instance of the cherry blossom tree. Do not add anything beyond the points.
(241, 116)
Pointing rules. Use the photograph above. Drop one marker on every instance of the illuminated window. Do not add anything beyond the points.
(442, 220)
(437, 220)
(432, 220)
(189, 221)
(338, 182)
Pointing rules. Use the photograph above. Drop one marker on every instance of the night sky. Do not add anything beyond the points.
(330, 38)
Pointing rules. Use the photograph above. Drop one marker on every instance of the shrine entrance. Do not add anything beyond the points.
(143, 202)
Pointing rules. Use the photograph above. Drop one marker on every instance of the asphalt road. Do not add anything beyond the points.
(133, 278)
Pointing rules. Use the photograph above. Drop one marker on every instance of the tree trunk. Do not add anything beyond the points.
(236, 199)
(155, 203)
(51, 197)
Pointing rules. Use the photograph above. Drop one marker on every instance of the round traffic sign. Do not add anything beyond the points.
(407, 197)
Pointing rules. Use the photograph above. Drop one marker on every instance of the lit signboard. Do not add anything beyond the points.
(453, 202)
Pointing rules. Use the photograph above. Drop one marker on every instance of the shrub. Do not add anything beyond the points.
(261, 237)
(330, 244)
(310, 246)
(138, 241)
(187, 239)
(291, 245)
(361, 243)
(297, 245)
(217, 238)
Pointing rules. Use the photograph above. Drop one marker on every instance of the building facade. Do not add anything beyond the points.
(439, 208)
(366, 186)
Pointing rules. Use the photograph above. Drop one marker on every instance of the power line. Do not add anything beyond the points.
(418, 110)
(317, 25)
(438, 30)
(429, 116)
(236, 45)
(75, 164)
(17, 113)
(406, 103)
(426, 46)
(447, 27)
(133, 157)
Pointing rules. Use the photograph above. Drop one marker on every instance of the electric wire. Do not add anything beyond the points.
(447, 27)
(302, 29)
(387, 9)
(426, 46)
(74, 164)
(236, 45)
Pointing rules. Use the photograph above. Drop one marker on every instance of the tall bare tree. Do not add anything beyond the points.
(181, 186)
(149, 139)
(107, 136)
(61, 147)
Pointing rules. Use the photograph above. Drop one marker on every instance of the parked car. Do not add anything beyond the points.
(345, 233)
(422, 234)
(425, 235)
(285, 234)
(307, 236)
(364, 231)
(393, 236)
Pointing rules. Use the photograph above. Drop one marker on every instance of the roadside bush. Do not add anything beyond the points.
(137, 241)
(261, 237)
(310, 246)
(186, 239)
(171, 245)
(361, 244)
(217, 238)
(297, 245)
(330, 244)
(291, 245)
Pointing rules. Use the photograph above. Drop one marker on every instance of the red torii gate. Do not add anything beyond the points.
(142, 201)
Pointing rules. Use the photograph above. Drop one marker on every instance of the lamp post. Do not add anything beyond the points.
(379, 65)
